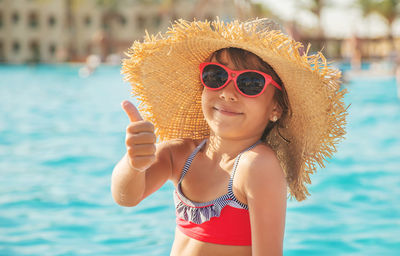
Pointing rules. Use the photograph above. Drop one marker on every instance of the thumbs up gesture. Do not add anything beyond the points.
(140, 139)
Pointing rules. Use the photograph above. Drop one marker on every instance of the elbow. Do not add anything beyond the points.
(126, 203)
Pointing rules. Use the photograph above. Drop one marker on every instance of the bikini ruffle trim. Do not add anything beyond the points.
(200, 214)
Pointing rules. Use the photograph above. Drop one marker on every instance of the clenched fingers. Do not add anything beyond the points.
(140, 138)
(140, 126)
(141, 150)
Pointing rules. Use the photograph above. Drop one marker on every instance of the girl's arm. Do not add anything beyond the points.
(129, 187)
(145, 167)
(266, 191)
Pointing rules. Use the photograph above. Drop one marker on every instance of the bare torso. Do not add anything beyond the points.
(184, 245)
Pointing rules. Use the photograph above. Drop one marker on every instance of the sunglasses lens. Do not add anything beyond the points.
(251, 83)
(214, 76)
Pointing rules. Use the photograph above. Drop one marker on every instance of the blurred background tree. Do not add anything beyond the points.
(315, 7)
(389, 10)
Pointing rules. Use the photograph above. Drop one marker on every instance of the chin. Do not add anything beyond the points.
(225, 131)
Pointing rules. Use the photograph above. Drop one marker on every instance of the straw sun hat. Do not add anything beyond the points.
(164, 74)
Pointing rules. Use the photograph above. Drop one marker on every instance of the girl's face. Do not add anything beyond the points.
(232, 115)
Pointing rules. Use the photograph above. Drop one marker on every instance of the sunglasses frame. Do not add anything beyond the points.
(233, 75)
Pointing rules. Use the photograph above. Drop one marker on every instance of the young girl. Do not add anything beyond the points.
(242, 118)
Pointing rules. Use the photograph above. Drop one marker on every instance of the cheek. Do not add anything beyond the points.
(259, 113)
(261, 116)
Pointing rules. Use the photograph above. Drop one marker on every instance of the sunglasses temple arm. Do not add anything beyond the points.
(276, 85)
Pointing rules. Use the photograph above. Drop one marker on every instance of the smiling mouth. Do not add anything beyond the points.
(227, 112)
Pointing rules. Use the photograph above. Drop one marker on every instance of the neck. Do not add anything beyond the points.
(226, 149)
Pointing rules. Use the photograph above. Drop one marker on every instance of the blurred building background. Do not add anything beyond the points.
(70, 30)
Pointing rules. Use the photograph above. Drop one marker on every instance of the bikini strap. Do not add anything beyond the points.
(190, 159)
(230, 190)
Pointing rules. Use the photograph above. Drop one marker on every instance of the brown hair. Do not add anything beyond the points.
(241, 59)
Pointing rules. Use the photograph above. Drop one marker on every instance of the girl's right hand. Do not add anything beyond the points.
(140, 139)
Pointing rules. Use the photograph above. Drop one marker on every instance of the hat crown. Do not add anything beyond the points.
(262, 25)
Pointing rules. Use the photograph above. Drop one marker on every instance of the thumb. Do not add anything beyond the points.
(132, 112)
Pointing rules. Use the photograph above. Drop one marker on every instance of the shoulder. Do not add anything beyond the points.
(179, 150)
(261, 172)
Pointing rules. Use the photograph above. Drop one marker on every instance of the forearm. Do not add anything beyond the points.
(127, 185)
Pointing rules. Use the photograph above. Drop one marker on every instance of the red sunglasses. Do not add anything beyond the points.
(250, 83)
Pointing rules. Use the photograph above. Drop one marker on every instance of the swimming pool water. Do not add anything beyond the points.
(61, 135)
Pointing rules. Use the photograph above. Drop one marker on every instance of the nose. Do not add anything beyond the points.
(229, 93)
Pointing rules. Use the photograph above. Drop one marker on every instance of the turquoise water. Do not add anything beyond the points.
(61, 135)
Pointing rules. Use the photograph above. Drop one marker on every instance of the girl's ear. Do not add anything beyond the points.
(276, 112)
